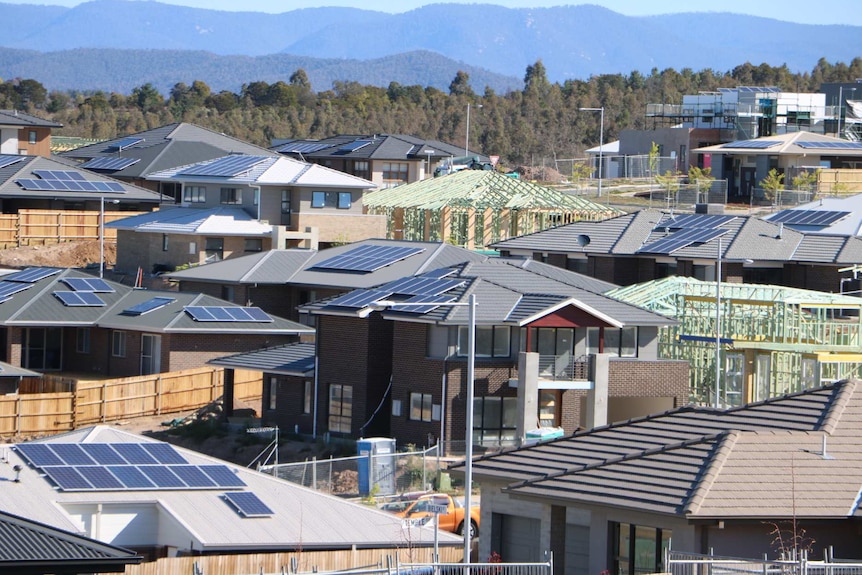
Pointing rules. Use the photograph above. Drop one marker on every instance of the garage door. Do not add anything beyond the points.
(577, 549)
(519, 538)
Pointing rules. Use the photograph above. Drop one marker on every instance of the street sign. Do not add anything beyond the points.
(441, 509)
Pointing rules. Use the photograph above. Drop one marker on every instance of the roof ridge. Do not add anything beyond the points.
(841, 398)
(709, 473)
(266, 255)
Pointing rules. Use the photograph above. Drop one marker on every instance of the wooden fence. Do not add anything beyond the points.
(39, 227)
(56, 404)
(306, 561)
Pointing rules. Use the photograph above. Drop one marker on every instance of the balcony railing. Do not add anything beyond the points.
(565, 367)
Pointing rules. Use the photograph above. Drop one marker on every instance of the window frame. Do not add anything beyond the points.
(504, 430)
(255, 243)
(272, 399)
(307, 394)
(194, 194)
(424, 410)
(118, 343)
(338, 200)
(497, 332)
(82, 340)
(620, 333)
(229, 196)
(340, 416)
(395, 173)
(32, 137)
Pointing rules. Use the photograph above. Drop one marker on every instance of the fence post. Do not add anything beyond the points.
(104, 403)
(18, 415)
(159, 394)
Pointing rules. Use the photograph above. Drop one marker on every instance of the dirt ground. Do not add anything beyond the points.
(65, 255)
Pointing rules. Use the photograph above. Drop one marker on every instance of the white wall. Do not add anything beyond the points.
(8, 141)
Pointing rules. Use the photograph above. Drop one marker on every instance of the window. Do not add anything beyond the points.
(214, 249)
(555, 346)
(306, 397)
(32, 137)
(118, 343)
(638, 549)
(491, 341)
(394, 174)
(231, 196)
(494, 420)
(43, 348)
(273, 393)
(253, 245)
(151, 354)
(549, 400)
(340, 408)
(420, 406)
(285, 207)
(194, 194)
(82, 340)
(619, 342)
(340, 200)
(361, 170)
(164, 242)
(809, 377)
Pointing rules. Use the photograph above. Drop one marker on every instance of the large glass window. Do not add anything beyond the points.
(340, 408)
(420, 406)
(638, 549)
(339, 200)
(194, 194)
(495, 420)
(491, 341)
(394, 174)
(361, 169)
(43, 348)
(82, 340)
(231, 196)
(285, 207)
(619, 342)
(118, 343)
(214, 249)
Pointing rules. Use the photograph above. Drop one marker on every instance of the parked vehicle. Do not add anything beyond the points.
(454, 520)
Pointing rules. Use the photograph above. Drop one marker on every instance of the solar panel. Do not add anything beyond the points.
(151, 304)
(62, 175)
(99, 477)
(103, 453)
(751, 144)
(109, 163)
(134, 454)
(687, 221)
(124, 143)
(31, 275)
(367, 258)
(193, 476)
(161, 476)
(67, 478)
(79, 299)
(440, 273)
(302, 147)
(228, 313)
(131, 477)
(164, 453)
(678, 240)
(95, 285)
(8, 289)
(72, 454)
(9, 160)
(222, 475)
(433, 302)
(421, 285)
(73, 186)
(808, 217)
(38, 454)
(834, 145)
(248, 504)
(353, 146)
(225, 166)
(360, 298)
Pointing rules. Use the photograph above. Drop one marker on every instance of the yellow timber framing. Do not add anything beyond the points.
(791, 338)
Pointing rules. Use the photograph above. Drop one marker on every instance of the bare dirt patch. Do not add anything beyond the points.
(64, 255)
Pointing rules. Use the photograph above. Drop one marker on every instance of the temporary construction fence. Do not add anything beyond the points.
(38, 227)
(54, 404)
(680, 563)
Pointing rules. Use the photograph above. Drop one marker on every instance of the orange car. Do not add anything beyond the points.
(453, 520)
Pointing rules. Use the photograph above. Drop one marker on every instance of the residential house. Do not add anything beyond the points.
(25, 134)
(774, 340)
(651, 244)
(281, 280)
(476, 208)
(702, 480)
(33, 548)
(238, 204)
(35, 182)
(134, 157)
(55, 319)
(388, 160)
(840, 216)
(400, 372)
(164, 501)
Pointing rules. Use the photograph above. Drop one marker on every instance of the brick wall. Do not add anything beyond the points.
(288, 414)
(186, 351)
(342, 228)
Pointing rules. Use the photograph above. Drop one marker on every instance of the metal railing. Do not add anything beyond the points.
(398, 568)
(679, 563)
(564, 367)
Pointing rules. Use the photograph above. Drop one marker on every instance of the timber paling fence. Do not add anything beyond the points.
(40, 227)
(53, 404)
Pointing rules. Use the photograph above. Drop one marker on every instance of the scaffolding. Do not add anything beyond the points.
(476, 208)
(774, 339)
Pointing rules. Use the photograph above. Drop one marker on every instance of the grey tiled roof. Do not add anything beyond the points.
(292, 359)
(701, 462)
(381, 147)
(16, 118)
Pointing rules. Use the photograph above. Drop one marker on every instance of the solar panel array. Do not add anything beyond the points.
(421, 285)
(831, 145)
(31, 275)
(808, 217)
(9, 160)
(433, 302)
(227, 166)
(751, 144)
(360, 298)
(110, 163)
(248, 504)
(302, 147)
(423, 289)
(8, 289)
(95, 285)
(123, 466)
(79, 299)
(683, 238)
(688, 221)
(151, 304)
(227, 313)
(353, 146)
(439, 273)
(66, 181)
(124, 143)
(367, 258)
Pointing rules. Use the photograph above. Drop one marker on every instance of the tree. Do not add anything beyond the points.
(460, 85)
(299, 79)
(147, 98)
(772, 184)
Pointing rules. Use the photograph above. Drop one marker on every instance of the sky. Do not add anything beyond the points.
(826, 12)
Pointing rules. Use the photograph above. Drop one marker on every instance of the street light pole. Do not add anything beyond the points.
(840, 103)
(718, 326)
(102, 236)
(601, 141)
(467, 140)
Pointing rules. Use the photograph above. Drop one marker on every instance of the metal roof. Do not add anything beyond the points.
(295, 359)
(20, 119)
(222, 220)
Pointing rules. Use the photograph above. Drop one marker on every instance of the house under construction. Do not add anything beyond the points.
(773, 340)
(476, 208)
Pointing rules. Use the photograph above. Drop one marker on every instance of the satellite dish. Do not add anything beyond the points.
(583, 240)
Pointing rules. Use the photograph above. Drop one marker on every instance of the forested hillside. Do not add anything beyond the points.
(537, 123)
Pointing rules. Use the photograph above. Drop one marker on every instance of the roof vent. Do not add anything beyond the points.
(823, 453)
(780, 230)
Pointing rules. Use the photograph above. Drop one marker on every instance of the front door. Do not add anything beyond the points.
(151, 354)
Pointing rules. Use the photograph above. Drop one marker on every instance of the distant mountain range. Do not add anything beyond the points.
(119, 44)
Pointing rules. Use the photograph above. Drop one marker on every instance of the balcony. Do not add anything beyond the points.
(564, 367)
